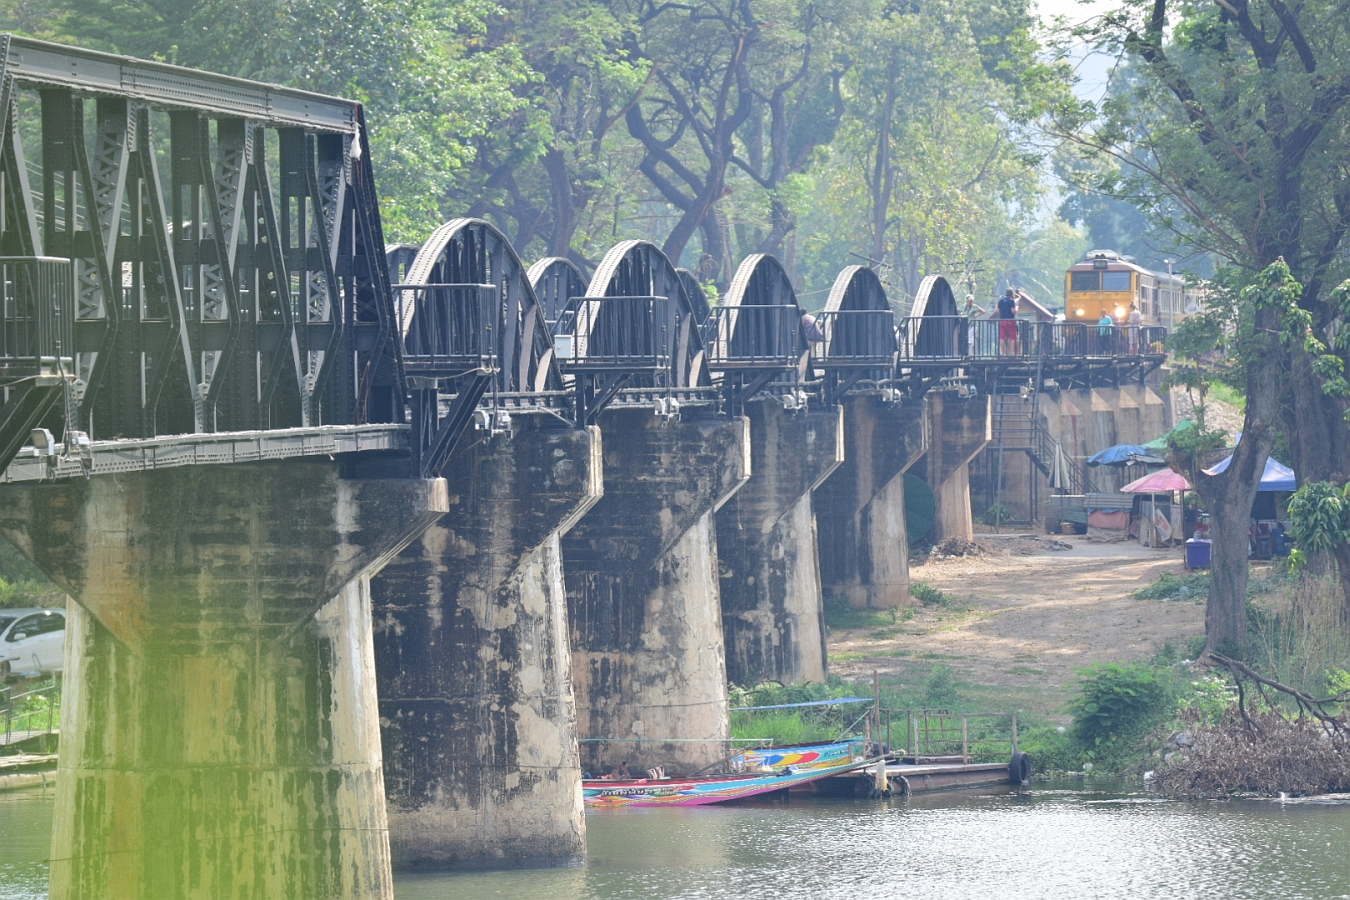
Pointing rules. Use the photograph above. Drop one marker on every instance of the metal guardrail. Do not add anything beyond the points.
(26, 719)
(615, 334)
(852, 338)
(753, 337)
(931, 734)
(955, 338)
(451, 328)
(37, 316)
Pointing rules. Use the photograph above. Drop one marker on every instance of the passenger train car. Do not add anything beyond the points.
(1106, 280)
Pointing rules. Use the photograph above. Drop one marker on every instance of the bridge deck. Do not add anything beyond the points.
(108, 457)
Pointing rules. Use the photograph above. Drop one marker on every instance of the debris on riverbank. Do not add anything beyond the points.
(1266, 755)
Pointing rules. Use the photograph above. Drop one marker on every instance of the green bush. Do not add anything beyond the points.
(1119, 703)
(931, 596)
(1051, 749)
(1170, 587)
(939, 689)
(996, 514)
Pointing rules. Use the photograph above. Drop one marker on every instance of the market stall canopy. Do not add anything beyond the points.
(1159, 444)
(1276, 477)
(1162, 482)
(1124, 455)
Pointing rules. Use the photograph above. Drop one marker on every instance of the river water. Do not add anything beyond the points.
(1060, 839)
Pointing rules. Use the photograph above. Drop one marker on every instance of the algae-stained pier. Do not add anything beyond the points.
(362, 541)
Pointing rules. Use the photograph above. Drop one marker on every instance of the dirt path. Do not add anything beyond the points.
(1027, 617)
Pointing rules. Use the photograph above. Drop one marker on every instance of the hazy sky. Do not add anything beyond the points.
(1075, 10)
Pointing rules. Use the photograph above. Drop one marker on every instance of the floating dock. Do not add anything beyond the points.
(907, 775)
(24, 770)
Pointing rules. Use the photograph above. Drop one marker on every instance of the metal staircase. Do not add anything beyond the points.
(1017, 429)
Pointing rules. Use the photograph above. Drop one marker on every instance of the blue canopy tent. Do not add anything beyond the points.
(1276, 477)
(1124, 455)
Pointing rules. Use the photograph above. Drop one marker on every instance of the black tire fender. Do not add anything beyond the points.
(1019, 768)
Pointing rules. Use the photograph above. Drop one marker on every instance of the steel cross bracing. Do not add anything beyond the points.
(224, 244)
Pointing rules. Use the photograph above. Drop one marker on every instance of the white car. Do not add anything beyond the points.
(32, 640)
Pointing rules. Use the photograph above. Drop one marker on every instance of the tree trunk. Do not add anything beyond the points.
(565, 210)
(1226, 611)
(883, 175)
(1229, 496)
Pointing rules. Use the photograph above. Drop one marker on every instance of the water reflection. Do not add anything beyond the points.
(1065, 839)
(25, 841)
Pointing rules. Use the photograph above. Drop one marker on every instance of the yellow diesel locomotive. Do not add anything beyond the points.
(1105, 280)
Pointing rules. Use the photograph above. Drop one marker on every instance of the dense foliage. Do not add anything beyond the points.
(899, 133)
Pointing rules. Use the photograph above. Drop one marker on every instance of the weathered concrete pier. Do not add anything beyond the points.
(860, 509)
(643, 593)
(475, 679)
(218, 729)
(772, 615)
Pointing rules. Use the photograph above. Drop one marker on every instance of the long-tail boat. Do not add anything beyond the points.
(753, 771)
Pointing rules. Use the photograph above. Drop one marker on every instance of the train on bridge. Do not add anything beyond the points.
(1106, 281)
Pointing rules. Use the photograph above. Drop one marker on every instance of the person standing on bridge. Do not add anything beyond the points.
(1007, 323)
(1106, 330)
(1133, 321)
(972, 315)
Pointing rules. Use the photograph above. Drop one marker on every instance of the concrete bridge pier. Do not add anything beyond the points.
(218, 729)
(643, 594)
(958, 429)
(860, 509)
(475, 675)
(772, 615)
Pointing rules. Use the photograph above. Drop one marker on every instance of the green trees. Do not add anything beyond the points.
(1234, 127)
(896, 132)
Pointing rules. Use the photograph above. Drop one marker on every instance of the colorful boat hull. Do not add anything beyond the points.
(816, 761)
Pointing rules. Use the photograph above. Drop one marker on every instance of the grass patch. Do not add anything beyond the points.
(839, 614)
(931, 596)
(1193, 587)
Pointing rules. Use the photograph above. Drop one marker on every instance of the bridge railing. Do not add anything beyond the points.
(933, 338)
(37, 316)
(955, 338)
(753, 337)
(615, 334)
(853, 338)
(451, 328)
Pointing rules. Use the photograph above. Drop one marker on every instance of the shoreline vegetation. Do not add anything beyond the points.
(1273, 720)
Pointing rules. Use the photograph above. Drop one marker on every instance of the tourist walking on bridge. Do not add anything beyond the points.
(1007, 323)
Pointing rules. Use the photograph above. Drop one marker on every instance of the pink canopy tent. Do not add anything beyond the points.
(1161, 482)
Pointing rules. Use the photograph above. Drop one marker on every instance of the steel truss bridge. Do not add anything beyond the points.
(193, 271)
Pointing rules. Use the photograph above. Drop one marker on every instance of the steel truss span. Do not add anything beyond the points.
(223, 243)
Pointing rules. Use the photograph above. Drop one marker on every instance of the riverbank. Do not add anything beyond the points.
(1020, 620)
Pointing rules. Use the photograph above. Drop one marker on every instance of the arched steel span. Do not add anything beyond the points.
(556, 280)
(640, 269)
(934, 328)
(755, 335)
(473, 252)
(469, 322)
(633, 327)
(859, 332)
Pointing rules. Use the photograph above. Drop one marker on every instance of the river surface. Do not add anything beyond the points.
(1064, 839)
